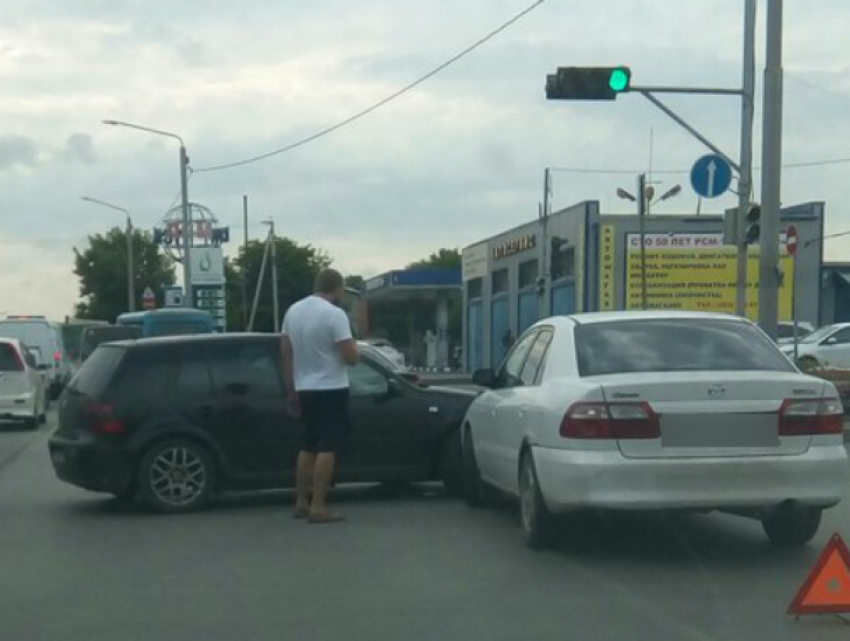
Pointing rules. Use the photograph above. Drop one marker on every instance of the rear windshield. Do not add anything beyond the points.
(29, 333)
(9, 361)
(94, 375)
(177, 328)
(675, 345)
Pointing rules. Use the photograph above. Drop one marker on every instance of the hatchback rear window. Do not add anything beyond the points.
(9, 360)
(94, 375)
(178, 328)
(675, 345)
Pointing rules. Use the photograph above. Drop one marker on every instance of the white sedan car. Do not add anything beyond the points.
(23, 393)
(827, 347)
(656, 410)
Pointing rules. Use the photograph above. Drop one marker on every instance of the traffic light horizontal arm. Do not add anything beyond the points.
(694, 90)
(648, 95)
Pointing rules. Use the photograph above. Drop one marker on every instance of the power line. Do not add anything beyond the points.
(380, 103)
(792, 165)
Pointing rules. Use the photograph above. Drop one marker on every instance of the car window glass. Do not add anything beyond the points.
(841, 337)
(9, 359)
(96, 372)
(144, 378)
(193, 375)
(30, 360)
(247, 368)
(535, 358)
(509, 376)
(366, 380)
(675, 345)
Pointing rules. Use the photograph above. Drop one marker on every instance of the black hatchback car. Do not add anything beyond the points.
(178, 419)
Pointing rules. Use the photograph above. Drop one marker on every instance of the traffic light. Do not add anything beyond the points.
(753, 223)
(588, 83)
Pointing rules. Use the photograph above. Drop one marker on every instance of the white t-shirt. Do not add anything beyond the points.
(314, 327)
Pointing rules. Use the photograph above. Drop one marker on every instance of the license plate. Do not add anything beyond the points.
(720, 430)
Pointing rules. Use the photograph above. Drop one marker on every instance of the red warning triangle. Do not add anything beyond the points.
(827, 588)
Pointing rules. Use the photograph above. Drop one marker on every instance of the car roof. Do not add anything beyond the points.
(612, 317)
(168, 311)
(194, 338)
(11, 341)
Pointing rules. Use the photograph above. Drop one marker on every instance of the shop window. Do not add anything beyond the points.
(563, 263)
(528, 272)
(500, 281)
(475, 288)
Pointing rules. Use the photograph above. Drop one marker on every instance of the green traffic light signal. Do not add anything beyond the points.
(619, 79)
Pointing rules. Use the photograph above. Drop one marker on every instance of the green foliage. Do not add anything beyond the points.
(102, 270)
(443, 259)
(297, 267)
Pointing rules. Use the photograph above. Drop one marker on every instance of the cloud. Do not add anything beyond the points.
(79, 148)
(17, 150)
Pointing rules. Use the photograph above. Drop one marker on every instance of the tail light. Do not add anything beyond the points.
(102, 419)
(811, 416)
(611, 421)
(57, 356)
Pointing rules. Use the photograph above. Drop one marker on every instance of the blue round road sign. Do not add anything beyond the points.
(711, 176)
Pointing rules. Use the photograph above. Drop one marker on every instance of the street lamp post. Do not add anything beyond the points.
(131, 289)
(184, 194)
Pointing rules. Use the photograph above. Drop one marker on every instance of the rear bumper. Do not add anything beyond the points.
(571, 480)
(91, 466)
(18, 407)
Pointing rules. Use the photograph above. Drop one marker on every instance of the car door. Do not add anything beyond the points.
(249, 412)
(492, 442)
(391, 420)
(834, 351)
(35, 382)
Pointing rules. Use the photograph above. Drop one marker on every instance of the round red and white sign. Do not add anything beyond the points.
(791, 240)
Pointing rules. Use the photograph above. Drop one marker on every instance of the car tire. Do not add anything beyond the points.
(176, 475)
(808, 364)
(537, 521)
(451, 467)
(474, 487)
(792, 526)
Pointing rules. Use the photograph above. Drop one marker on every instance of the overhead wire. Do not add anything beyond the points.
(377, 105)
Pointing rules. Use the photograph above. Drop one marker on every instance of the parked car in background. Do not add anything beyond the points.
(827, 347)
(23, 395)
(96, 335)
(177, 419)
(656, 410)
(46, 336)
(169, 322)
(72, 333)
(785, 332)
(389, 351)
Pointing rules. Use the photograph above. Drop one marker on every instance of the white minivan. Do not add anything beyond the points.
(23, 396)
(43, 338)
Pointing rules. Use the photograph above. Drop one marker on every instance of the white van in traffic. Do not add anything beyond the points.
(43, 339)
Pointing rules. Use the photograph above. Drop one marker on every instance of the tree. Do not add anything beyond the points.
(102, 270)
(297, 267)
(355, 281)
(442, 259)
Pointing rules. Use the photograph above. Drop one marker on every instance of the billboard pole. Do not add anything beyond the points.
(641, 199)
(771, 172)
(745, 176)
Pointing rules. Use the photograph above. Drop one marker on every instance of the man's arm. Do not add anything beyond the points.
(348, 349)
(288, 369)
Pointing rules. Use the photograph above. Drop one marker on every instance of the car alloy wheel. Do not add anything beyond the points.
(177, 476)
(537, 521)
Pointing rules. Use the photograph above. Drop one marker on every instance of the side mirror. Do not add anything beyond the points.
(484, 378)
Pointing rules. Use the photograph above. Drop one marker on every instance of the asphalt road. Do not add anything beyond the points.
(416, 566)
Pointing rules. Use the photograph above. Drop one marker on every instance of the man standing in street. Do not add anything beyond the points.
(317, 347)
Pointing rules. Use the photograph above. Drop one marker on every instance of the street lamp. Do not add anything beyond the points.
(131, 289)
(184, 192)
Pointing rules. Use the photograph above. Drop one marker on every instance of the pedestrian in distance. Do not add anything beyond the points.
(507, 340)
(317, 348)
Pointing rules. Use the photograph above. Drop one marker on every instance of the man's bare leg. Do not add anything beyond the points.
(323, 474)
(304, 472)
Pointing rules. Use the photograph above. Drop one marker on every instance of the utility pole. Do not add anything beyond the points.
(244, 265)
(745, 176)
(187, 226)
(259, 286)
(131, 293)
(771, 172)
(545, 275)
(275, 310)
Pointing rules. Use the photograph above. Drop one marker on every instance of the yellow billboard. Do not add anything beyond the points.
(700, 279)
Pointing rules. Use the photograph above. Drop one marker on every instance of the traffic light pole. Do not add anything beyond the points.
(771, 172)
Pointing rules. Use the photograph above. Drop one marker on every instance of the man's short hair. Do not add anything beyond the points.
(328, 281)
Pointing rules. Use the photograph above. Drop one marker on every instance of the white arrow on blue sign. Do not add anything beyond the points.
(711, 176)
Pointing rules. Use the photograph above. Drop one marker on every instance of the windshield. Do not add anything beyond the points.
(819, 334)
(674, 345)
(176, 328)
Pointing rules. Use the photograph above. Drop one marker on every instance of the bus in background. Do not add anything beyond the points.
(169, 322)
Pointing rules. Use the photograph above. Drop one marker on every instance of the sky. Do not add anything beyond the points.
(457, 159)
